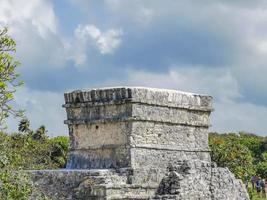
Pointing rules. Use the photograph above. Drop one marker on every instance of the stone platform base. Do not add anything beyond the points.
(96, 184)
(187, 180)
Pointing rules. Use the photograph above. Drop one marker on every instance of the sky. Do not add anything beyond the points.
(214, 47)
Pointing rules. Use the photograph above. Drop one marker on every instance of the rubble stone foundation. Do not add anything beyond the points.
(139, 143)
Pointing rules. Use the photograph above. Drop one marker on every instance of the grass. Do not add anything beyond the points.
(253, 194)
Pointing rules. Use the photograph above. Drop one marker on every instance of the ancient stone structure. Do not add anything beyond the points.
(139, 143)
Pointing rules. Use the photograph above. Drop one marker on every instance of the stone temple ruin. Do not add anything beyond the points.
(139, 143)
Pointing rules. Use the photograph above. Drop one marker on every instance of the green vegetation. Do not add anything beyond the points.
(253, 194)
(28, 149)
(33, 150)
(8, 76)
(243, 153)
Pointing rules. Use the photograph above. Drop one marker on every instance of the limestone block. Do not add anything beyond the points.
(99, 135)
(76, 184)
(143, 95)
(112, 124)
(99, 158)
(186, 179)
(101, 112)
(150, 165)
(172, 98)
(142, 157)
(170, 115)
(224, 185)
(168, 136)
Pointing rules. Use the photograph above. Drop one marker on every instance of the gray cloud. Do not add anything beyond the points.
(230, 114)
(215, 47)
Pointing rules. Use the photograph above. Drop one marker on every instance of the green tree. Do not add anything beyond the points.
(261, 169)
(14, 185)
(24, 125)
(254, 143)
(227, 151)
(60, 146)
(40, 134)
(8, 76)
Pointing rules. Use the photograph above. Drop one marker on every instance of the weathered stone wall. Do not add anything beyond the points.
(76, 184)
(169, 136)
(99, 145)
(139, 143)
(162, 97)
(187, 179)
(224, 185)
(110, 126)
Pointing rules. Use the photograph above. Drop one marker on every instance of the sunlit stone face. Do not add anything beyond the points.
(126, 127)
(100, 135)
(139, 143)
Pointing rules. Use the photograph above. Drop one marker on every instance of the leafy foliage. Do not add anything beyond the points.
(40, 134)
(26, 151)
(243, 153)
(60, 146)
(261, 169)
(16, 185)
(33, 150)
(8, 76)
(24, 125)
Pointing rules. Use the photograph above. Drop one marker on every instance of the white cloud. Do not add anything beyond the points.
(240, 24)
(107, 42)
(82, 32)
(88, 38)
(33, 24)
(39, 13)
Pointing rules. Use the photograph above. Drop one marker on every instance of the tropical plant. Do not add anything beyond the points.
(40, 134)
(8, 76)
(24, 125)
